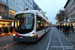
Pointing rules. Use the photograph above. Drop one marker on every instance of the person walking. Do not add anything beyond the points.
(67, 30)
(72, 28)
(64, 29)
(0, 31)
(58, 27)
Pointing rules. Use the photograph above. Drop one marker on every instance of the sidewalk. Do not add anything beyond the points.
(71, 37)
(5, 34)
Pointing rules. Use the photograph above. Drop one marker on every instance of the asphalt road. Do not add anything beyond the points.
(53, 40)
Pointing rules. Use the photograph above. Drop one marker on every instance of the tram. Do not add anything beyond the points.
(30, 26)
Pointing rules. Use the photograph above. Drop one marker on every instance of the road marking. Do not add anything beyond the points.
(4, 38)
(60, 41)
(49, 42)
(8, 45)
(65, 38)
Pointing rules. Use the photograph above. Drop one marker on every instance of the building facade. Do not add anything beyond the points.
(70, 10)
(35, 6)
(8, 8)
(5, 20)
(29, 4)
(19, 5)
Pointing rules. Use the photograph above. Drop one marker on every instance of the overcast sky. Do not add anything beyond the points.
(51, 7)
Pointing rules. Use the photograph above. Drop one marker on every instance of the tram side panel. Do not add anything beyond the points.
(40, 33)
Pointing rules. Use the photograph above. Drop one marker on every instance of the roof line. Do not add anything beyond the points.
(66, 3)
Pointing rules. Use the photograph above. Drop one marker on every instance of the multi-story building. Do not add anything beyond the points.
(8, 8)
(29, 4)
(70, 10)
(19, 5)
(35, 6)
(5, 20)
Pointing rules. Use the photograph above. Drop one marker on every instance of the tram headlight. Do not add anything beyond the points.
(13, 34)
(32, 35)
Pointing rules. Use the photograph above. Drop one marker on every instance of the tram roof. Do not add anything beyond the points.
(35, 12)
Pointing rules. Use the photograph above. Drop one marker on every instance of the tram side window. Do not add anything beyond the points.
(40, 24)
(46, 24)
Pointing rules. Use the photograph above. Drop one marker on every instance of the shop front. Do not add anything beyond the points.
(6, 26)
(5, 19)
(72, 20)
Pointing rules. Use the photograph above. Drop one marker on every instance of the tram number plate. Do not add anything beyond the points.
(20, 37)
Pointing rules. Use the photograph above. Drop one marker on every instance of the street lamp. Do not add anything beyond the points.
(0, 17)
(57, 20)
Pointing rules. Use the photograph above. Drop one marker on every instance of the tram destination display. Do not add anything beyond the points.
(23, 15)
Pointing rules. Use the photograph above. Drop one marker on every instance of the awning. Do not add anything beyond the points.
(5, 20)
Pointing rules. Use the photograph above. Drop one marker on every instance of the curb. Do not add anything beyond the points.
(6, 34)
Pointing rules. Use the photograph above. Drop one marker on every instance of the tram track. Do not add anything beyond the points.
(6, 46)
(15, 46)
(52, 41)
(60, 42)
(55, 42)
(66, 43)
(5, 38)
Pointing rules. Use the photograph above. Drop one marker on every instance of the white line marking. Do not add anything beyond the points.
(65, 38)
(49, 42)
(60, 42)
(8, 45)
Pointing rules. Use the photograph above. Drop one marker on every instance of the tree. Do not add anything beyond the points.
(61, 16)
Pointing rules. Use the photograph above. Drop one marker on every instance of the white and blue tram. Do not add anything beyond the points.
(30, 26)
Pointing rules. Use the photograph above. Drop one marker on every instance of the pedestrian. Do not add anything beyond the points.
(0, 31)
(58, 27)
(72, 28)
(67, 30)
(64, 29)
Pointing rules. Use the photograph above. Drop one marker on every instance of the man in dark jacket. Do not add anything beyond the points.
(72, 28)
(67, 30)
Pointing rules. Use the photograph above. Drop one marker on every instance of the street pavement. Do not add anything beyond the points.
(71, 37)
(53, 40)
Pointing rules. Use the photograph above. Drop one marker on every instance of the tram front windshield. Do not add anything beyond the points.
(24, 23)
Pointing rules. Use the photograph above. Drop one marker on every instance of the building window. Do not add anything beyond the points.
(26, 4)
(12, 2)
(30, 3)
(22, 1)
(28, 0)
(12, 13)
(3, 10)
(74, 8)
(35, 8)
(5, 1)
